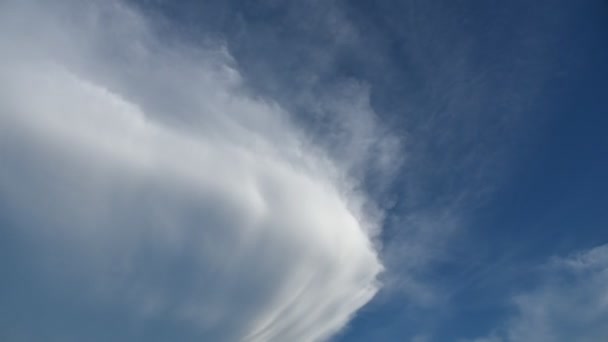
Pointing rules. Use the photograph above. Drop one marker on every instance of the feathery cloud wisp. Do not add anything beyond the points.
(570, 305)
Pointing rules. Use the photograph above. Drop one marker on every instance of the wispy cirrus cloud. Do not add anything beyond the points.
(569, 304)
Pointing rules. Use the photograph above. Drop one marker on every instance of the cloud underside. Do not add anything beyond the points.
(168, 192)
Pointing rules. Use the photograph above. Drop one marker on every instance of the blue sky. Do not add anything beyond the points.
(421, 171)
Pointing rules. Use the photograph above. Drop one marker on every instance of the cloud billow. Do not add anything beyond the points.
(160, 188)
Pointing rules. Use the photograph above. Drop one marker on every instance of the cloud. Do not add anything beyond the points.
(570, 305)
(159, 186)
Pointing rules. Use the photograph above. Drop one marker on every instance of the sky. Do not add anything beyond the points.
(307, 171)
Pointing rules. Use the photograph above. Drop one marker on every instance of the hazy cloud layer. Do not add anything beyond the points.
(158, 186)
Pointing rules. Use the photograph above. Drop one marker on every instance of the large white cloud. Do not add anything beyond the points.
(159, 186)
(570, 305)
